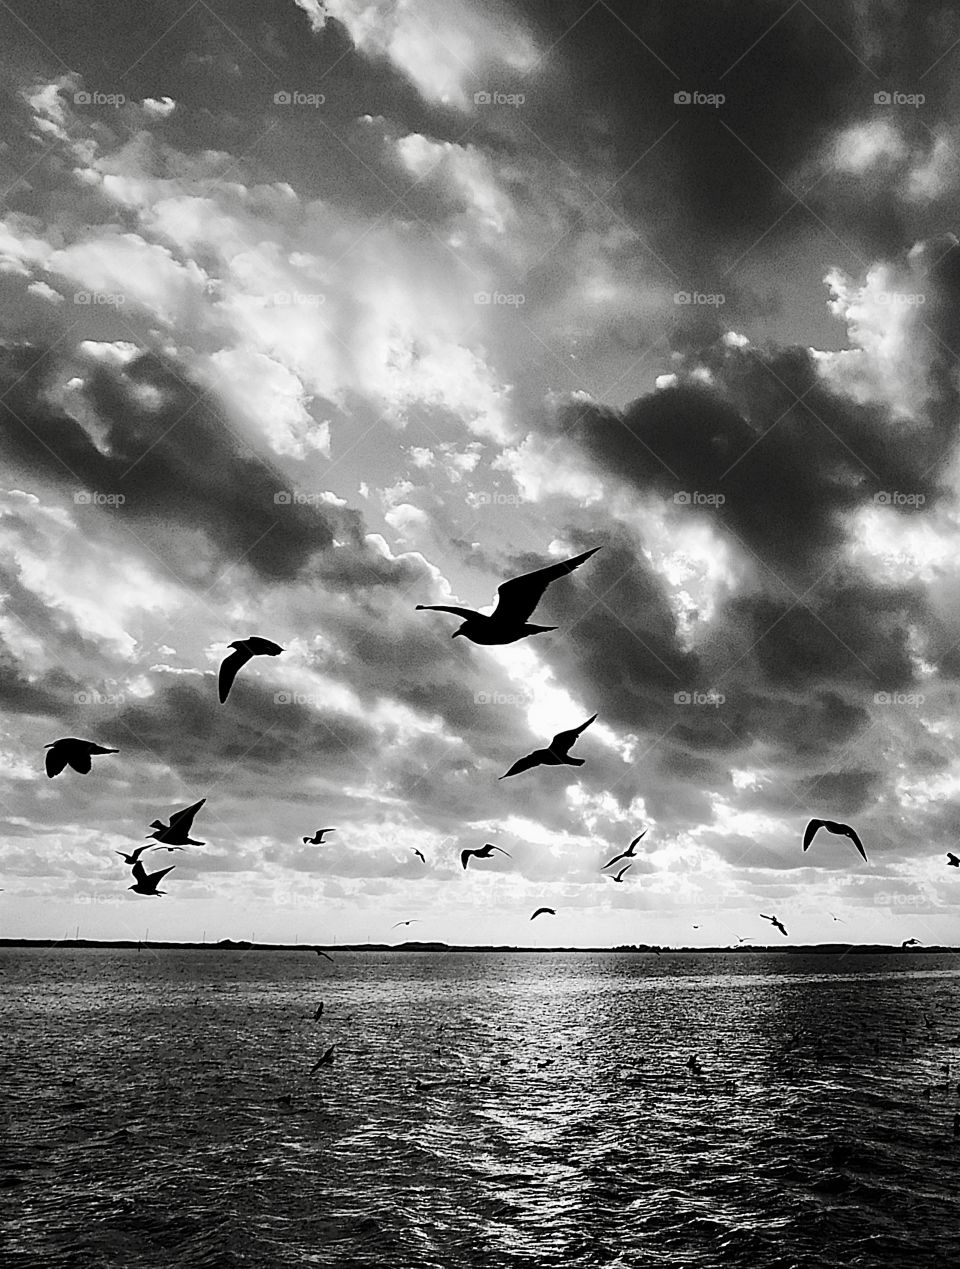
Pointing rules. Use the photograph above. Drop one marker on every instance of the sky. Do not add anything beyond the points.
(313, 311)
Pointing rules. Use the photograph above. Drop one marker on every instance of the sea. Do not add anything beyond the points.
(160, 1110)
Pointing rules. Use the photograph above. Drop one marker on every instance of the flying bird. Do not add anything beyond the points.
(317, 838)
(740, 938)
(629, 853)
(910, 943)
(420, 855)
(318, 1012)
(69, 751)
(541, 911)
(253, 646)
(516, 600)
(177, 832)
(326, 1060)
(952, 860)
(329, 958)
(843, 830)
(774, 922)
(556, 755)
(483, 852)
(413, 922)
(147, 882)
(134, 855)
(619, 876)
(836, 918)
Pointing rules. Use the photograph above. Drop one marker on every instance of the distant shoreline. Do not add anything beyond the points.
(243, 945)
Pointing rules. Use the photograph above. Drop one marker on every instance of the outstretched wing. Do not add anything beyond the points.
(229, 669)
(139, 872)
(80, 762)
(811, 830)
(156, 877)
(184, 819)
(623, 870)
(616, 859)
(54, 760)
(852, 834)
(524, 764)
(542, 912)
(465, 613)
(465, 855)
(952, 859)
(517, 598)
(563, 741)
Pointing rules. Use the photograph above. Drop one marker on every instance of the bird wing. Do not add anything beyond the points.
(263, 647)
(502, 851)
(564, 740)
(524, 764)
(80, 762)
(54, 760)
(517, 598)
(766, 918)
(324, 954)
(465, 613)
(953, 858)
(465, 856)
(852, 834)
(542, 911)
(229, 669)
(639, 835)
(154, 878)
(615, 859)
(139, 872)
(623, 870)
(420, 855)
(184, 818)
(810, 831)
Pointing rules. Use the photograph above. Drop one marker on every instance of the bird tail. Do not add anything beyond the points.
(532, 630)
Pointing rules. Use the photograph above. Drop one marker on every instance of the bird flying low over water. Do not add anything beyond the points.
(147, 882)
(317, 838)
(541, 911)
(843, 830)
(952, 860)
(325, 954)
(774, 922)
(629, 852)
(177, 832)
(325, 1060)
(619, 875)
(134, 855)
(516, 600)
(482, 852)
(69, 751)
(555, 756)
(253, 646)
(910, 943)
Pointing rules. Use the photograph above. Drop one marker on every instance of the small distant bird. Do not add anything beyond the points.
(420, 855)
(619, 876)
(484, 852)
(774, 922)
(541, 911)
(325, 1060)
(318, 1012)
(836, 918)
(516, 600)
(134, 855)
(413, 922)
(69, 751)
(952, 860)
(842, 830)
(317, 838)
(741, 939)
(253, 646)
(324, 954)
(177, 832)
(629, 853)
(910, 943)
(147, 882)
(556, 755)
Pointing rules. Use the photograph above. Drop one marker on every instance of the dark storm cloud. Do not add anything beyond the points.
(840, 792)
(45, 695)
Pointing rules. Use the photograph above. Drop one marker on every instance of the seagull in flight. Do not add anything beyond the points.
(483, 852)
(317, 838)
(318, 1012)
(843, 830)
(516, 600)
(910, 943)
(329, 958)
(420, 855)
(244, 649)
(952, 860)
(147, 882)
(413, 922)
(774, 922)
(134, 855)
(619, 876)
(68, 751)
(836, 918)
(177, 832)
(629, 853)
(326, 1060)
(740, 938)
(541, 911)
(556, 755)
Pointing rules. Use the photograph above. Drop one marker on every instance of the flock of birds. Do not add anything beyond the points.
(509, 622)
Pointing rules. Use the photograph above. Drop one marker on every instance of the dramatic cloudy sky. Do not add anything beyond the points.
(314, 310)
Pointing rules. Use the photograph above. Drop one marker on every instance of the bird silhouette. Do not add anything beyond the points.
(952, 860)
(318, 1012)
(910, 943)
(325, 955)
(147, 882)
(556, 755)
(325, 1060)
(619, 875)
(482, 852)
(252, 646)
(177, 832)
(541, 911)
(832, 826)
(629, 853)
(774, 922)
(134, 855)
(836, 918)
(317, 838)
(413, 922)
(516, 600)
(68, 751)
(741, 939)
